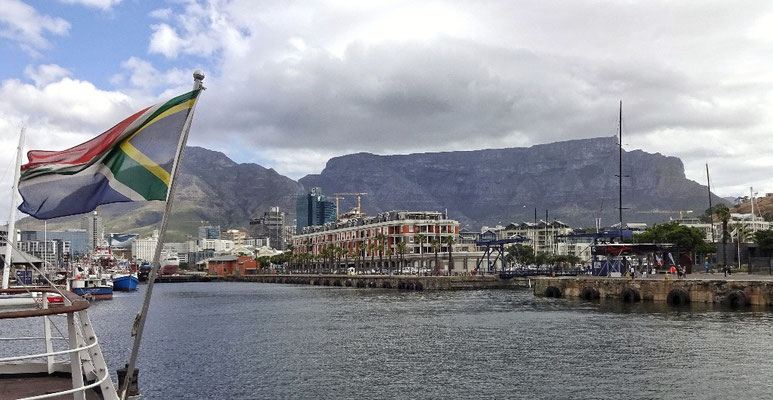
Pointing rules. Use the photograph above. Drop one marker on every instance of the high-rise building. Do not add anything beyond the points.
(271, 226)
(313, 209)
(92, 223)
(78, 239)
(209, 232)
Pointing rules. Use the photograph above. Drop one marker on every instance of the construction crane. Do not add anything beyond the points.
(342, 196)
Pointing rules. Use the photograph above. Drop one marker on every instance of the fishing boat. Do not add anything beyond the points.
(92, 287)
(125, 282)
(143, 272)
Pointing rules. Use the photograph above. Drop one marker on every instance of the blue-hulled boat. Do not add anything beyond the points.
(125, 283)
(92, 287)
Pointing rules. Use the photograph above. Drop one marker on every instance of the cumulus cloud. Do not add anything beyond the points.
(21, 23)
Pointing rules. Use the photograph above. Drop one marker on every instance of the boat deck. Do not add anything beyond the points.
(27, 386)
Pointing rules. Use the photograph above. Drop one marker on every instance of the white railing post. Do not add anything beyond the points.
(95, 353)
(75, 358)
(47, 331)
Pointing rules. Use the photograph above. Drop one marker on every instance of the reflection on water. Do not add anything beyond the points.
(254, 341)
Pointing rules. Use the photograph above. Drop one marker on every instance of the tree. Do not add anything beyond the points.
(741, 234)
(520, 254)
(449, 242)
(401, 251)
(381, 240)
(389, 254)
(435, 247)
(420, 239)
(372, 250)
(764, 240)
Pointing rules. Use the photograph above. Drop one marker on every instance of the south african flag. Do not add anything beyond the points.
(132, 161)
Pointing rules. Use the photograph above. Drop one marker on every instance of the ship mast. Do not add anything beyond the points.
(11, 236)
(620, 171)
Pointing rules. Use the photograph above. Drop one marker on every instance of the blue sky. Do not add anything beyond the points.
(294, 83)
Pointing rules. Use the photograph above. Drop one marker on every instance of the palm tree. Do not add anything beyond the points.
(372, 250)
(401, 250)
(723, 213)
(381, 240)
(742, 235)
(389, 253)
(449, 242)
(340, 251)
(421, 239)
(435, 247)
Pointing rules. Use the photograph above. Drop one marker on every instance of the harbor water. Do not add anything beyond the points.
(264, 341)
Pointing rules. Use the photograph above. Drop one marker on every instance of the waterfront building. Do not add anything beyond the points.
(542, 236)
(271, 226)
(92, 223)
(3, 235)
(313, 209)
(216, 245)
(52, 252)
(77, 240)
(228, 265)
(209, 232)
(198, 258)
(143, 249)
(355, 235)
(258, 242)
(180, 250)
(235, 235)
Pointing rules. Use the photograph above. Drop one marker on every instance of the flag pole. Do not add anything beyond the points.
(10, 238)
(139, 320)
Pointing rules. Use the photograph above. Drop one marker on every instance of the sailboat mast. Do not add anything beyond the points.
(711, 209)
(620, 171)
(11, 237)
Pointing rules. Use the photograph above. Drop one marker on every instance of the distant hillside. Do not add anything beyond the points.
(212, 188)
(575, 180)
(762, 206)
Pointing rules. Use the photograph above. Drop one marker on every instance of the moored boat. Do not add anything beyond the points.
(92, 287)
(170, 266)
(125, 282)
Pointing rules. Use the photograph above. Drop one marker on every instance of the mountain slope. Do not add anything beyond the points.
(211, 188)
(575, 180)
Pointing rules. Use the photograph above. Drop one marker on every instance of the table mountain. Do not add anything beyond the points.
(575, 180)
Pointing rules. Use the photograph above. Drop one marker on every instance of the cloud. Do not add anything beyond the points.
(45, 74)
(101, 4)
(161, 13)
(21, 23)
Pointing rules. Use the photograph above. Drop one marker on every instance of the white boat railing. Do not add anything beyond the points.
(85, 356)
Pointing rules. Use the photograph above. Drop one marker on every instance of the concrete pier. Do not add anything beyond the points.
(734, 293)
(401, 282)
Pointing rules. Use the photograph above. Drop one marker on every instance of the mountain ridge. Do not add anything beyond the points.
(575, 180)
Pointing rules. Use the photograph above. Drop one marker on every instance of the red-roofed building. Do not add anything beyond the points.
(232, 266)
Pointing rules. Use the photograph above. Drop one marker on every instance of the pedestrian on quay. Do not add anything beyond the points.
(644, 273)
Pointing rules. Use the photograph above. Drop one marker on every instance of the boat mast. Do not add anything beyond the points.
(11, 237)
(620, 171)
(711, 209)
